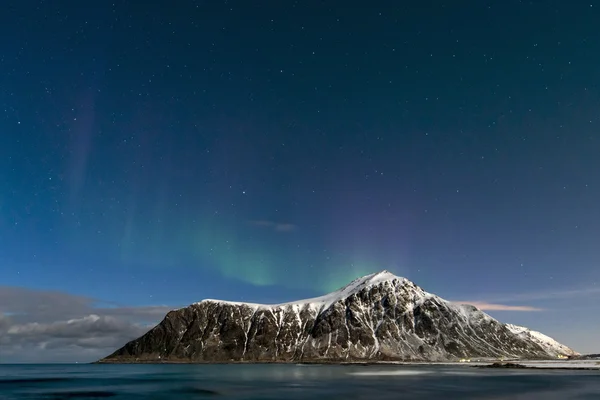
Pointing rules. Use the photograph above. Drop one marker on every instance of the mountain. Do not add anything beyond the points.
(379, 317)
(585, 357)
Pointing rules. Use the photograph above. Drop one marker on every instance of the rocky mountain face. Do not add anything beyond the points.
(379, 317)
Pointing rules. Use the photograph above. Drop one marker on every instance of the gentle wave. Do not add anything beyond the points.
(404, 372)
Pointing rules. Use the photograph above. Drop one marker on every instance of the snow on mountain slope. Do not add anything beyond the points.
(324, 302)
(549, 344)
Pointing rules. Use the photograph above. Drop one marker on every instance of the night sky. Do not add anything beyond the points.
(157, 153)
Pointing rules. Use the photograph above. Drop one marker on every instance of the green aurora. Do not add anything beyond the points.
(238, 251)
(245, 251)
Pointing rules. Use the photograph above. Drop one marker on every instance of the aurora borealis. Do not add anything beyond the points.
(161, 154)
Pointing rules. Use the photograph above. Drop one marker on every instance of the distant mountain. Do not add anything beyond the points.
(585, 357)
(547, 343)
(379, 317)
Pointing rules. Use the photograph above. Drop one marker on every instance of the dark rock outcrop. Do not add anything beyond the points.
(504, 365)
(379, 317)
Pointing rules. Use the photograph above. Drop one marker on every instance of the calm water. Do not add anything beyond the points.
(290, 382)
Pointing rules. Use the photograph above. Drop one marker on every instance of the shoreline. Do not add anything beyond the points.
(591, 365)
(510, 365)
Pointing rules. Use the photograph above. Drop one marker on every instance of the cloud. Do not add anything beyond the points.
(276, 226)
(498, 307)
(91, 331)
(50, 326)
(550, 295)
(498, 302)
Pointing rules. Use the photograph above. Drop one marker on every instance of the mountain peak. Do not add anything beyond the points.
(384, 275)
(325, 301)
(371, 279)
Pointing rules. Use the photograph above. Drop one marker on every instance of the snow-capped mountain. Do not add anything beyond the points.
(376, 317)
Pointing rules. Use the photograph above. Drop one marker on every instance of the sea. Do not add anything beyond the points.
(289, 382)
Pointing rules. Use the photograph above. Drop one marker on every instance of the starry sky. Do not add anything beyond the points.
(154, 155)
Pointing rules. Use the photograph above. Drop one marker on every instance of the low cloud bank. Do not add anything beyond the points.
(47, 326)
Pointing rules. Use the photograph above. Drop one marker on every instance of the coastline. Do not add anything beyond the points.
(588, 365)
